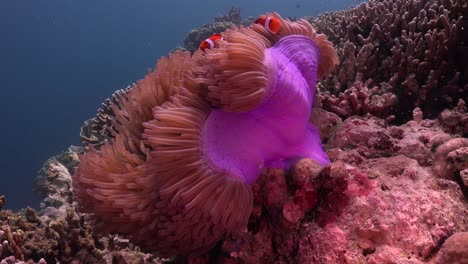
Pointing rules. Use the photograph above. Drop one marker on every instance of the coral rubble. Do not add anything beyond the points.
(58, 233)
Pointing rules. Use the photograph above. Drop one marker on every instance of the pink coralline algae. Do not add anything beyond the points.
(381, 200)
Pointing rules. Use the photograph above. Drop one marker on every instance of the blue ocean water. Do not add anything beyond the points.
(60, 59)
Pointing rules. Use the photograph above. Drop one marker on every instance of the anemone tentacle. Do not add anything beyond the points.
(235, 75)
(188, 140)
(207, 203)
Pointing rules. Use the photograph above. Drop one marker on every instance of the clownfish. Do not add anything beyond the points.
(270, 23)
(210, 42)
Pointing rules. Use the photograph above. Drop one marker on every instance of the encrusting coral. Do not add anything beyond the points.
(187, 141)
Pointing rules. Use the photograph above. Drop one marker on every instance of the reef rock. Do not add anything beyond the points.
(54, 180)
(381, 200)
(454, 250)
(31, 237)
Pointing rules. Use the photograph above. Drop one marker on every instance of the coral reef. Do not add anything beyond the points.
(188, 140)
(381, 200)
(27, 237)
(391, 194)
(58, 233)
(394, 192)
(397, 55)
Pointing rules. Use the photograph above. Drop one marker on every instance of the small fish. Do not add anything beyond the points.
(270, 23)
(210, 42)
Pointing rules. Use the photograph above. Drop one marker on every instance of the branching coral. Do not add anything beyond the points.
(97, 130)
(188, 140)
(414, 50)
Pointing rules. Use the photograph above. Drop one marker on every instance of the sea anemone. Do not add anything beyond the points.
(190, 138)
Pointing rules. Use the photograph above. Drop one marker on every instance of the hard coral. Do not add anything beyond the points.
(98, 129)
(31, 237)
(54, 180)
(186, 142)
(413, 51)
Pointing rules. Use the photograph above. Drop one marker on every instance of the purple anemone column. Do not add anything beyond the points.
(277, 131)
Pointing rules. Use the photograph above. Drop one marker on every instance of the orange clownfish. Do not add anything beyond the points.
(270, 23)
(210, 42)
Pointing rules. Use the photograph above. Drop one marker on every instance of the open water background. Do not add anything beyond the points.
(60, 59)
